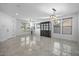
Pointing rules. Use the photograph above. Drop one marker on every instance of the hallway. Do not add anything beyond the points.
(34, 45)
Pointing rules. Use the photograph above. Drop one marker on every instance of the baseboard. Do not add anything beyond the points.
(13, 35)
(74, 41)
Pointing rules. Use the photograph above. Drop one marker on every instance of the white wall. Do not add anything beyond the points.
(18, 27)
(74, 36)
(7, 26)
(78, 27)
(37, 30)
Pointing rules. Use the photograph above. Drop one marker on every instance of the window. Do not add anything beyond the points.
(67, 26)
(57, 27)
(41, 26)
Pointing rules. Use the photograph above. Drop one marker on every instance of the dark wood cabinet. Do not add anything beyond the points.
(45, 29)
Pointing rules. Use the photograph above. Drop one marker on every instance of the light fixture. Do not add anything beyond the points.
(17, 14)
(54, 17)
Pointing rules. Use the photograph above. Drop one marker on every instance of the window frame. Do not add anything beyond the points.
(67, 26)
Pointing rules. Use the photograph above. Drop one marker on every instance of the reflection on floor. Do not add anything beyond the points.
(34, 45)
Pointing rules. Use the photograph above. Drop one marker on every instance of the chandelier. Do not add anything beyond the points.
(54, 17)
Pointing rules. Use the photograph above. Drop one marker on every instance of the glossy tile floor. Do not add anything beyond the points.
(34, 45)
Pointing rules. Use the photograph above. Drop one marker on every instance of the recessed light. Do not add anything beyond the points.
(17, 14)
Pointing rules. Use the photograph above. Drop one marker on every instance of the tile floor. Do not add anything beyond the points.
(34, 45)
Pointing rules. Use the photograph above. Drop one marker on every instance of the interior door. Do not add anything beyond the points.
(45, 29)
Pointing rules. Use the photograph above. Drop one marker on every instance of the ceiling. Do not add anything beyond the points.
(38, 10)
